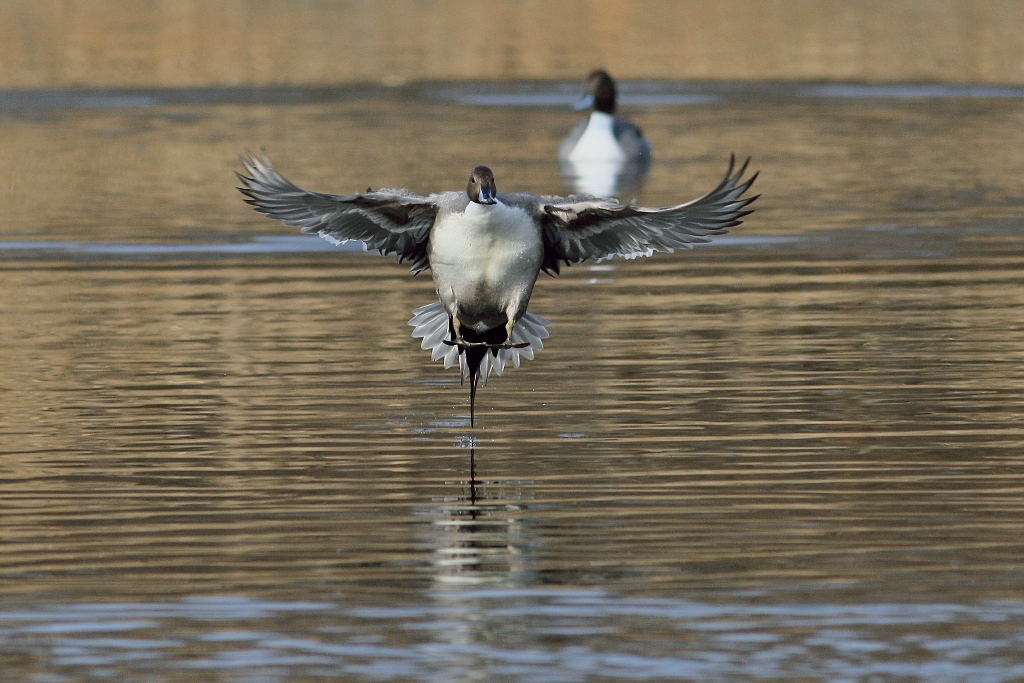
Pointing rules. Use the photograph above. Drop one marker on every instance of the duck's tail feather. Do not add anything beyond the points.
(430, 323)
(472, 358)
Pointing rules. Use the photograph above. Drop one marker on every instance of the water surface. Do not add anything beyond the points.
(795, 452)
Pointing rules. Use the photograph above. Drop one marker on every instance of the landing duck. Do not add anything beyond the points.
(486, 248)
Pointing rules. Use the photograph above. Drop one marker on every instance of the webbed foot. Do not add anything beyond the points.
(462, 344)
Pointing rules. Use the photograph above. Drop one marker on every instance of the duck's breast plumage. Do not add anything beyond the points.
(485, 258)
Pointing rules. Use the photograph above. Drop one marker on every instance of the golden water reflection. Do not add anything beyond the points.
(750, 416)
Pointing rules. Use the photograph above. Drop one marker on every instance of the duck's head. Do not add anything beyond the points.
(481, 188)
(600, 95)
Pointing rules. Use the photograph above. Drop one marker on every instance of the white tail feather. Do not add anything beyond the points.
(430, 323)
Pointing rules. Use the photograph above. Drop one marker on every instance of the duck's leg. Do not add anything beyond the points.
(463, 344)
(456, 328)
(458, 340)
(509, 326)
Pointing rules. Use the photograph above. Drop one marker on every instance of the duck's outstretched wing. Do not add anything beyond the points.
(577, 230)
(392, 222)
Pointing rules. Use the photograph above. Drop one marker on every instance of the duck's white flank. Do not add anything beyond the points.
(598, 140)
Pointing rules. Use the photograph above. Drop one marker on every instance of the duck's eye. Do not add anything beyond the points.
(472, 179)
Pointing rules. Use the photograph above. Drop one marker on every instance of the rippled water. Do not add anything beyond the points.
(796, 452)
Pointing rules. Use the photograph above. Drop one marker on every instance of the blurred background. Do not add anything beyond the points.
(155, 100)
(119, 43)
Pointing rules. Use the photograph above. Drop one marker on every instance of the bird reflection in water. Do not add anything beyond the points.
(605, 177)
(479, 536)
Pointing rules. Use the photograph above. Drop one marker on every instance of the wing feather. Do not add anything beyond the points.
(577, 229)
(389, 221)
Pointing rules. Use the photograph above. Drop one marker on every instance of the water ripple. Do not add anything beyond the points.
(725, 639)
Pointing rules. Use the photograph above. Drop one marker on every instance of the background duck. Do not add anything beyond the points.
(603, 136)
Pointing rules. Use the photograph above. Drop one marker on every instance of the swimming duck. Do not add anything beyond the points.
(486, 249)
(603, 136)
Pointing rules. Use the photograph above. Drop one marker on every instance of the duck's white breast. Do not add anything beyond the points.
(598, 140)
(488, 247)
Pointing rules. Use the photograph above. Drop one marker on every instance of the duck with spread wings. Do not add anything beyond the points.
(486, 249)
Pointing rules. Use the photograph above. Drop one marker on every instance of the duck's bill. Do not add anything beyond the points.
(585, 102)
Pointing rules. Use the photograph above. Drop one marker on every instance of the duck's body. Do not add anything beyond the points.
(485, 259)
(604, 136)
(486, 249)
